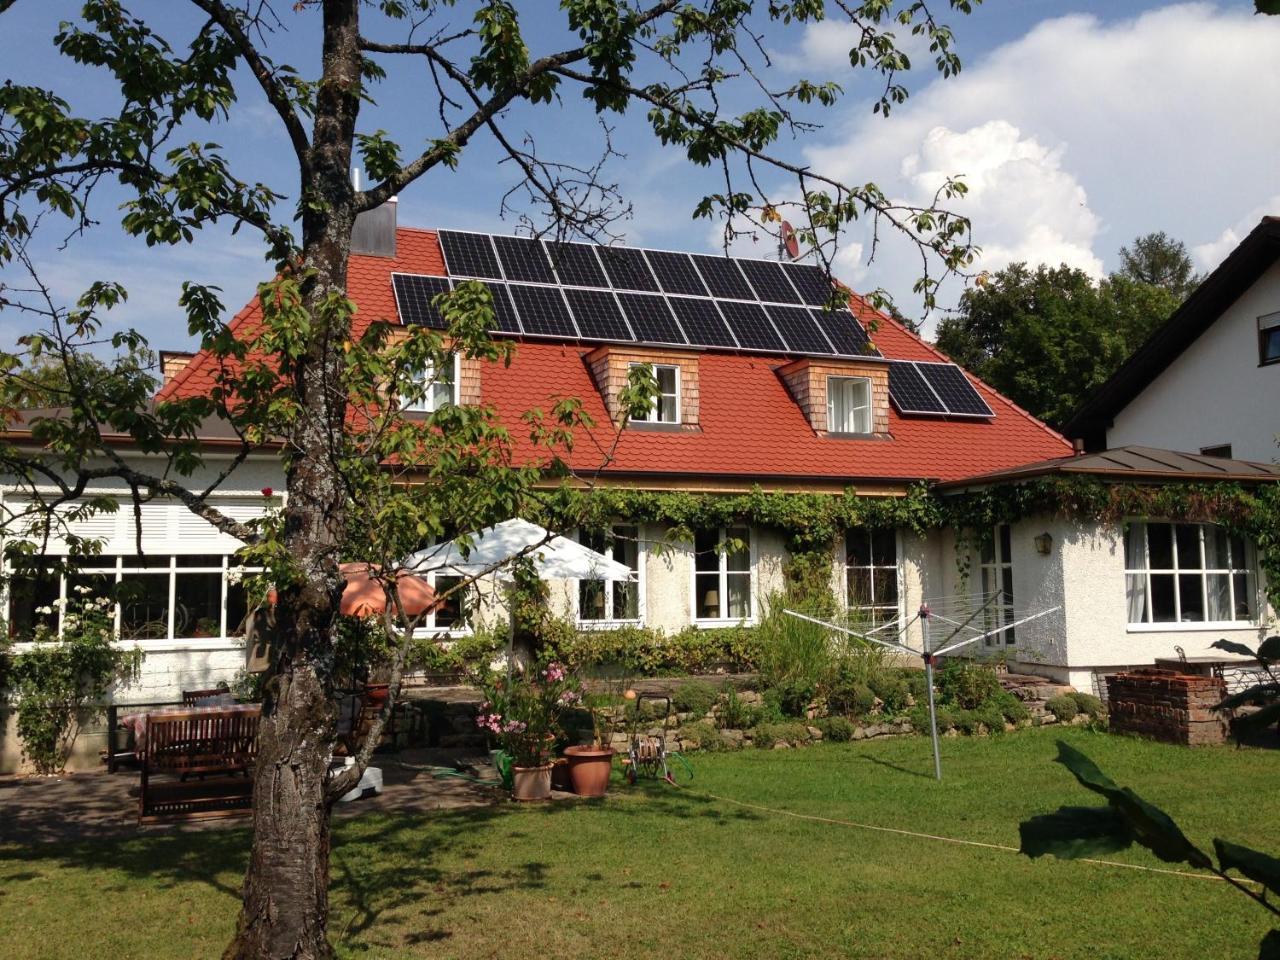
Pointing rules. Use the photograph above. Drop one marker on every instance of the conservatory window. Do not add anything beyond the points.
(1188, 573)
(612, 601)
(871, 573)
(722, 574)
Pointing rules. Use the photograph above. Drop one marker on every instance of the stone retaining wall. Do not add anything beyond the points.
(1168, 706)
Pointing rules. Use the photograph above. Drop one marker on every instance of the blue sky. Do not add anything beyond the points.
(1077, 125)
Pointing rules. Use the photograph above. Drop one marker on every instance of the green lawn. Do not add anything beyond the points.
(661, 873)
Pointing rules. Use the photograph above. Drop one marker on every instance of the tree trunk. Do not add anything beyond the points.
(285, 902)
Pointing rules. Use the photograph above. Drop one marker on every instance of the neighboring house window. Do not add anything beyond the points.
(871, 573)
(665, 407)
(1188, 573)
(435, 391)
(996, 556)
(849, 404)
(722, 577)
(612, 601)
(160, 597)
(1223, 450)
(1269, 338)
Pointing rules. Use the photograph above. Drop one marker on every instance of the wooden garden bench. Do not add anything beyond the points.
(182, 754)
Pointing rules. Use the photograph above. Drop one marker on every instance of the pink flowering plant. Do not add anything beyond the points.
(523, 712)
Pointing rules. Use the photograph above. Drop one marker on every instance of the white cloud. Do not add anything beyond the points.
(1082, 134)
(1208, 255)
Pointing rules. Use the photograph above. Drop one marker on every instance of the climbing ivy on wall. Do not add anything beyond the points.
(812, 522)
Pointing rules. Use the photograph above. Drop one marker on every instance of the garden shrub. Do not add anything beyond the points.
(1064, 707)
(1013, 709)
(917, 682)
(892, 691)
(768, 734)
(948, 717)
(991, 716)
(696, 697)
(837, 729)
(735, 713)
(702, 735)
(1088, 704)
(967, 722)
(646, 652)
(854, 700)
(967, 684)
(793, 696)
(770, 708)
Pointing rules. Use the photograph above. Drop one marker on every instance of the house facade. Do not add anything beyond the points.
(762, 388)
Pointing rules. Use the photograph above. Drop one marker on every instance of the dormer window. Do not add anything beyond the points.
(1269, 339)
(849, 404)
(433, 389)
(665, 406)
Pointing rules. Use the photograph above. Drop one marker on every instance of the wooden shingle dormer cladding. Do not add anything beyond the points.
(610, 366)
(807, 378)
(466, 370)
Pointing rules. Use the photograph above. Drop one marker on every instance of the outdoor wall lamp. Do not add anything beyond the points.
(1044, 543)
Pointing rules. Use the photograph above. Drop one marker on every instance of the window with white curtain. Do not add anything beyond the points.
(722, 574)
(996, 556)
(849, 404)
(434, 390)
(665, 406)
(612, 601)
(1188, 573)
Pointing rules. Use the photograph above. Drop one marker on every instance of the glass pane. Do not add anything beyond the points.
(200, 560)
(81, 586)
(989, 585)
(739, 585)
(667, 409)
(666, 380)
(1160, 545)
(1135, 591)
(884, 548)
(1239, 555)
(885, 584)
(27, 594)
(858, 583)
(1219, 598)
(706, 555)
(626, 546)
(1246, 596)
(987, 551)
(1270, 346)
(1006, 542)
(440, 395)
(626, 600)
(144, 606)
(707, 595)
(237, 609)
(452, 612)
(1162, 605)
(1191, 594)
(197, 609)
(1006, 586)
(1188, 546)
(148, 561)
(739, 559)
(857, 547)
(1216, 555)
(591, 598)
(101, 564)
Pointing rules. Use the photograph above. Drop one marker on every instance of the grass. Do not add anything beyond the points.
(655, 872)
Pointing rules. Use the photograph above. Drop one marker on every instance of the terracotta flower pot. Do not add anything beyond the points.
(589, 769)
(531, 783)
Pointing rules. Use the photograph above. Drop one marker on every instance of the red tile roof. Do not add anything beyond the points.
(751, 428)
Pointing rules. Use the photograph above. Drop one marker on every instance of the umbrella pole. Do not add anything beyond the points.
(511, 630)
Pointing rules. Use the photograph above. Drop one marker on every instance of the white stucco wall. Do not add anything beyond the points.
(1215, 392)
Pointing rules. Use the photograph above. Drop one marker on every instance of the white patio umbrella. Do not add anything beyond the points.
(553, 557)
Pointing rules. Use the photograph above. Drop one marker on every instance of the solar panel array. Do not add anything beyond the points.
(629, 295)
(934, 389)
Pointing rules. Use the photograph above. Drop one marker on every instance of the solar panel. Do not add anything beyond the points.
(542, 311)
(954, 389)
(627, 268)
(413, 298)
(469, 255)
(909, 392)
(811, 282)
(845, 333)
(504, 314)
(524, 260)
(722, 276)
(768, 281)
(598, 315)
(576, 264)
(798, 328)
(750, 325)
(702, 322)
(675, 273)
(651, 318)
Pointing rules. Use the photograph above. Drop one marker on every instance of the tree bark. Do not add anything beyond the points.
(284, 912)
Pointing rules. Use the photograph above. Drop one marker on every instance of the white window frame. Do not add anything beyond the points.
(846, 566)
(638, 578)
(428, 628)
(723, 558)
(864, 410)
(427, 381)
(651, 416)
(1249, 568)
(1000, 613)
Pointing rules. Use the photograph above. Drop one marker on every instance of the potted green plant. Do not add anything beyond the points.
(590, 764)
(523, 713)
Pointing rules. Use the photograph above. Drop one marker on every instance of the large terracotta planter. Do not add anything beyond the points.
(589, 769)
(531, 783)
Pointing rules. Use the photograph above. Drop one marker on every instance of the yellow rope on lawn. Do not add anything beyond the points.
(956, 840)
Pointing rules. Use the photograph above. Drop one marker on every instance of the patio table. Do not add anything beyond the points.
(1204, 665)
(137, 722)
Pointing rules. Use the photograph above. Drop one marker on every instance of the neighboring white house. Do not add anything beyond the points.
(1207, 381)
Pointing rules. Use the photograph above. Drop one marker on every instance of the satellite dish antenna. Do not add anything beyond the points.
(790, 242)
